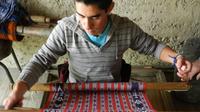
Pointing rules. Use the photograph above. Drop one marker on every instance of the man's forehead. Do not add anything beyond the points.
(88, 10)
(91, 7)
(88, 16)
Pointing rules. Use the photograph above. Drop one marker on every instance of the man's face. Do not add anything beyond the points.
(92, 18)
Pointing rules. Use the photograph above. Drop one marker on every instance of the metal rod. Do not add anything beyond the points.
(8, 73)
(16, 60)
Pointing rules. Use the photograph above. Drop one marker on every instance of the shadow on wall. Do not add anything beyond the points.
(191, 48)
(49, 8)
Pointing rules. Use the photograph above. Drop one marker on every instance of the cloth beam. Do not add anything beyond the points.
(98, 86)
(175, 86)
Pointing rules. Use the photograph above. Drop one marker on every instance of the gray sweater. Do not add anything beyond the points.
(87, 62)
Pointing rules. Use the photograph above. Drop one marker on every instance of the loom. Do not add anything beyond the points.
(121, 96)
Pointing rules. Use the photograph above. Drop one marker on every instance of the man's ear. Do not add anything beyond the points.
(110, 8)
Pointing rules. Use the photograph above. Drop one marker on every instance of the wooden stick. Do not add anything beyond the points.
(149, 86)
(40, 19)
(37, 31)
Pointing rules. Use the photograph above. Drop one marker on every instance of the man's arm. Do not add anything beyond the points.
(146, 44)
(167, 54)
(47, 55)
(16, 96)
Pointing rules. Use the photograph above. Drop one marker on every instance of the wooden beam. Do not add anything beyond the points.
(168, 86)
(41, 19)
(20, 109)
(34, 30)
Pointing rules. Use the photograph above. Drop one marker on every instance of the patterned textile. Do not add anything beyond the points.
(92, 97)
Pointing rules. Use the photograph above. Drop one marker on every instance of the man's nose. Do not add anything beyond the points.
(88, 23)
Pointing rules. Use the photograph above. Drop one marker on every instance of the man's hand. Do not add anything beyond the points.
(194, 71)
(12, 100)
(184, 67)
(16, 96)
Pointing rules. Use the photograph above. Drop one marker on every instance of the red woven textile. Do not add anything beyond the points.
(92, 97)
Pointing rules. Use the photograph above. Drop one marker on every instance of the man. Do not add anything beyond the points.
(95, 41)
(195, 70)
(191, 51)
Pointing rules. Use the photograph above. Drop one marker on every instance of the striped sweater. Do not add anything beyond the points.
(87, 62)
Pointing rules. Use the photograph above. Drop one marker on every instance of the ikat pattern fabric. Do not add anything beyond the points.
(98, 97)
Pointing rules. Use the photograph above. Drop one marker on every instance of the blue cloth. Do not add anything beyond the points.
(7, 8)
(101, 39)
(11, 15)
(10, 10)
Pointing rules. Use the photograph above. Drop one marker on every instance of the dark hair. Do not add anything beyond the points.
(102, 4)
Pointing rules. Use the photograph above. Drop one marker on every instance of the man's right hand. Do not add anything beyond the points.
(16, 96)
(195, 71)
(12, 100)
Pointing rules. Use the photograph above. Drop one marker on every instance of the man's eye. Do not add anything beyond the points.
(94, 18)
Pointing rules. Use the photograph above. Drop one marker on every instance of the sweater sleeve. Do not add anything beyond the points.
(45, 57)
(145, 43)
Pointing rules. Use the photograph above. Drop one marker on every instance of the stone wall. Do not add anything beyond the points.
(170, 21)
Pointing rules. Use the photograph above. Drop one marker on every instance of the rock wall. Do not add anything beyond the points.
(170, 21)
